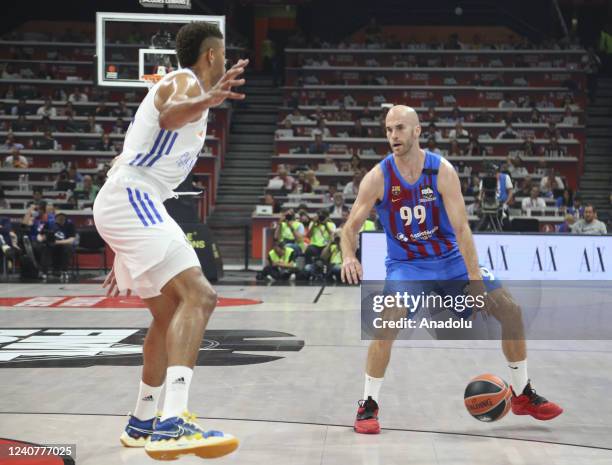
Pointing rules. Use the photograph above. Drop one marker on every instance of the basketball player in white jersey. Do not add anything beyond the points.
(153, 258)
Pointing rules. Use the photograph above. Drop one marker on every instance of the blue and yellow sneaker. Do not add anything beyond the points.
(138, 431)
(178, 436)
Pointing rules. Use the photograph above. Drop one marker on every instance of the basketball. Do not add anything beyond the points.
(487, 397)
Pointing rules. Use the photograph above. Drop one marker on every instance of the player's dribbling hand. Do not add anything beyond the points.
(111, 283)
(351, 271)
(222, 90)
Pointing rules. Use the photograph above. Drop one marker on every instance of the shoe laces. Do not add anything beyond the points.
(189, 417)
(534, 397)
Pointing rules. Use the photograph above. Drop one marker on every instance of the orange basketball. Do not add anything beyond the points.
(487, 397)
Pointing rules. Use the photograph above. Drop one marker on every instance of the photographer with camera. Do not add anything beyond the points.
(281, 263)
(332, 256)
(320, 232)
(57, 237)
(290, 232)
(496, 196)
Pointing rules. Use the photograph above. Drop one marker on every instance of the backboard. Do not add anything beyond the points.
(130, 46)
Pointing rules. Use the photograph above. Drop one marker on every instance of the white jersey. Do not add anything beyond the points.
(161, 156)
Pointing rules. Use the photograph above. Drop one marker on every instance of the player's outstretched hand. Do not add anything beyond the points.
(223, 89)
(111, 283)
(351, 272)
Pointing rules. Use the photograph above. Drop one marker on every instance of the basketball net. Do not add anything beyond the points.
(152, 79)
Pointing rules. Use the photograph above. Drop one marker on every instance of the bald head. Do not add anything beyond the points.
(404, 113)
(403, 129)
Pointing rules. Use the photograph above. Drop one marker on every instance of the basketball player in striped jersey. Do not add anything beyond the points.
(153, 257)
(418, 198)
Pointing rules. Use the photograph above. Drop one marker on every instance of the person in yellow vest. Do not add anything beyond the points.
(320, 232)
(369, 225)
(290, 232)
(281, 264)
(332, 255)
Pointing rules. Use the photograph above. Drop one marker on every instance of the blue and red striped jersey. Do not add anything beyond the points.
(413, 215)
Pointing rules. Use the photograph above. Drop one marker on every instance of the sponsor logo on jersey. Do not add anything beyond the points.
(427, 195)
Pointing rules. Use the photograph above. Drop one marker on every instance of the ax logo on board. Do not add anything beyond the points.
(86, 347)
(545, 260)
(593, 260)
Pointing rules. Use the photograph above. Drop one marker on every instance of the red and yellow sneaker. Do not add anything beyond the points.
(367, 417)
(530, 403)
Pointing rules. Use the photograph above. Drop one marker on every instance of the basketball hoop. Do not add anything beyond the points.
(151, 79)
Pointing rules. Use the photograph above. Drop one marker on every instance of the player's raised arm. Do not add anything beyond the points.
(181, 100)
(450, 189)
(370, 190)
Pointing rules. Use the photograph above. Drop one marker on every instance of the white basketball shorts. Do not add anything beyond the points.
(150, 247)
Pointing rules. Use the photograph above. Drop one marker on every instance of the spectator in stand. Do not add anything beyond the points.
(286, 131)
(74, 175)
(589, 224)
(565, 200)
(328, 166)
(456, 116)
(22, 124)
(10, 143)
(57, 237)
(21, 108)
(568, 118)
(508, 133)
(118, 127)
(122, 110)
(511, 118)
(88, 189)
(4, 203)
(318, 146)
(295, 116)
(552, 131)
(484, 116)
(432, 133)
(352, 187)
(554, 149)
(37, 194)
(576, 209)
(106, 144)
(473, 188)
(516, 168)
(103, 110)
(458, 132)
(534, 201)
(302, 186)
(100, 178)
(507, 102)
(432, 147)
(46, 142)
(566, 226)
(288, 181)
(16, 160)
(271, 201)
(78, 96)
(69, 110)
(47, 109)
(535, 117)
(311, 178)
(72, 126)
(474, 148)
(355, 163)
(454, 150)
(45, 125)
(430, 117)
(93, 127)
(338, 209)
(358, 130)
(550, 183)
(529, 148)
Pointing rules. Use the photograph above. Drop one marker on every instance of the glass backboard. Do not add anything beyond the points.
(130, 46)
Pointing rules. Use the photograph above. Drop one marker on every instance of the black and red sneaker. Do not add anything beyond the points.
(530, 403)
(367, 417)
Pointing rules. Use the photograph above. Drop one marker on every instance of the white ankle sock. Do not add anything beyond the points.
(518, 376)
(178, 379)
(148, 398)
(372, 387)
